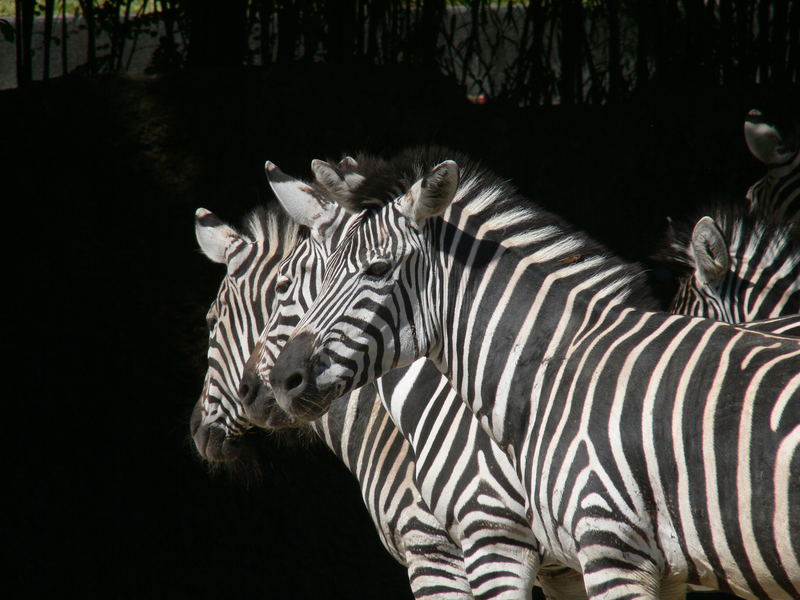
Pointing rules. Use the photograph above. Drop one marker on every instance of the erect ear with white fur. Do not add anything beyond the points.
(329, 178)
(296, 197)
(431, 195)
(349, 169)
(213, 236)
(767, 142)
(711, 259)
(339, 181)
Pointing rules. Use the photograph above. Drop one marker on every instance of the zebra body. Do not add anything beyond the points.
(359, 432)
(471, 487)
(654, 449)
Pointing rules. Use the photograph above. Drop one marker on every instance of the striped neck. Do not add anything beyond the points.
(517, 296)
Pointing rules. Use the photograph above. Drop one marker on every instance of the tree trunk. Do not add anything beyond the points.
(23, 11)
(763, 41)
(778, 46)
(643, 42)
(744, 31)
(339, 17)
(265, 10)
(49, 9)
(375, 16)
(87, 8)
(217, 33)
(726, 39)
(287, 30)
(64, 35)
(793, 70)
(570, 51)
(428, 28)
(614, 54)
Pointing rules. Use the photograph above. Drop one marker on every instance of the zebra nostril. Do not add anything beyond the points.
(248, 390)
(295, 380)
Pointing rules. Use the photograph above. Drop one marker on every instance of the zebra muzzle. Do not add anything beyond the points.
(293, 379)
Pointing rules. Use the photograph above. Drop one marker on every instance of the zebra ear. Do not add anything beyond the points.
(431, 195)
(769, 144)
(338, 181)
(711, 259)
(329, 178)
(349, 169)
(213, 236)
(296, 197)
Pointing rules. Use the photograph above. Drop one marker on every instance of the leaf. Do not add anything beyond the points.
(6, 30)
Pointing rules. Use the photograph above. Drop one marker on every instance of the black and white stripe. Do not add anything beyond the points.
(462, 475)
(363, 437)
(655, 450)
(235, 319)
(736, 265)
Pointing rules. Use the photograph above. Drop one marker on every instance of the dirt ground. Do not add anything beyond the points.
(107, 293)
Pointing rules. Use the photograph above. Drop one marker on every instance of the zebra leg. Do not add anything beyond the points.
(619, 576)
(497, 569)
(561, 583)
(434, 563)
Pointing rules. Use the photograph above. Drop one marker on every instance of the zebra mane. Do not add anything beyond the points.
(270, 223)
(733, 219)
(517, 222)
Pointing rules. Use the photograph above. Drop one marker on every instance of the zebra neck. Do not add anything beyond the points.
(350, 420)
(513, 314)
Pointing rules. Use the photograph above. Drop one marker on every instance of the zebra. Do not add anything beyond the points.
(480, 501)
(735, 265)
(775, 141)
(234, 320)
(615, 418)
(363, 438)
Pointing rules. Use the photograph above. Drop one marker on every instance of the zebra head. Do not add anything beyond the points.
(299, 276)
(739, 265)
(775, 141)
(234, 321)
(374, 310)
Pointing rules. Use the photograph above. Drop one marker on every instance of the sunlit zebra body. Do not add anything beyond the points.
(362, 436)
(736, 265)
(462, 475)
(655, 450)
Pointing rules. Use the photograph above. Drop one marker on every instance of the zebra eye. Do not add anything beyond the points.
(282, 286)
(378, 268)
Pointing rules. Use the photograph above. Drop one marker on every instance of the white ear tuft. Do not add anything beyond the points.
(296, 197)
(766, 142)
(213, 236)
(431, 195)
(710, 251)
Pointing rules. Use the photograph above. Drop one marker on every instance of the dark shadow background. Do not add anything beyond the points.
(107, 291)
